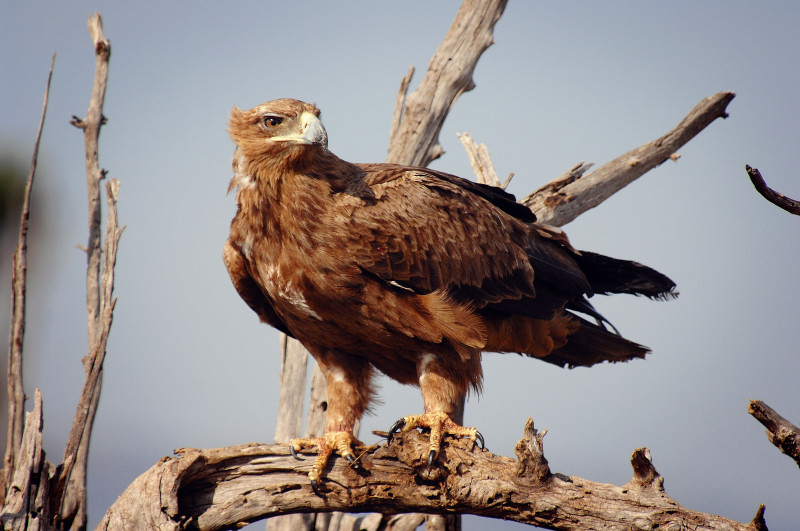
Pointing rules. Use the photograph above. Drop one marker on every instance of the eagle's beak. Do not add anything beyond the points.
(311, 132)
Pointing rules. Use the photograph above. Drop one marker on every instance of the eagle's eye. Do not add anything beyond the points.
(272, 121)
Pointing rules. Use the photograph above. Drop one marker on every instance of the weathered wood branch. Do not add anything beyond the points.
(70, 491)
(221, 488)
(415, 138)
(780, 432)
(562, 200)
(776, 198)
(481, 162)
(19, 273)
(27, 506)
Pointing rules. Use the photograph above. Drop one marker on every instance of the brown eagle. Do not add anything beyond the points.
(407, 271)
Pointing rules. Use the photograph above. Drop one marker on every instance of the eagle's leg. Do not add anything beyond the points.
(349, 388)
(442, 389)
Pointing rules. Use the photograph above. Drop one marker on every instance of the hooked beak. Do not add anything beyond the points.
(312, 132)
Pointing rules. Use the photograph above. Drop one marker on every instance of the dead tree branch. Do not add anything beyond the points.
(27, 506)
(780, 432)
(415, 138)
(16, 393)
(221, 488)
(778, 199)
(561, 201)
(70, 491)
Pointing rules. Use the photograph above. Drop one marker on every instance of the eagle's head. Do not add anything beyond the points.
(284, 131)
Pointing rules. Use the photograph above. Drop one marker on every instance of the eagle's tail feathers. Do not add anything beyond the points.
(592, 344)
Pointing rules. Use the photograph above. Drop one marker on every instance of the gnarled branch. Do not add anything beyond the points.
(780, 432)
(221, 488)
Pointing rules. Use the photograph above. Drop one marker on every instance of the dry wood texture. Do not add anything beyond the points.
(562, 200)
(221, 488)
(780, 432)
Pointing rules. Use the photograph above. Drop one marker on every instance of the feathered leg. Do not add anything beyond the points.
(442, 387)
(349, 388)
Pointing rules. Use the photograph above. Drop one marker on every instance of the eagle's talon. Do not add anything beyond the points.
(315, 487)
(397, 427)
(479, 440)
(294, 453)
(432, 457)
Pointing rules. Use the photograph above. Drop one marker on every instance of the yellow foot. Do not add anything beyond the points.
(340, 442)
(440, 424)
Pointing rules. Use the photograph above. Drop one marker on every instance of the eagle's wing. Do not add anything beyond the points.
(248, 289)
(427, 231)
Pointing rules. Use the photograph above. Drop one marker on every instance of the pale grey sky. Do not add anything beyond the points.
(189, 364)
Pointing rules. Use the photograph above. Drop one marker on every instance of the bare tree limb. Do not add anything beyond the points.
(786, 203)
(220, 488)
(91, 125)
(16, 393)
(415, 141)
(780, 432)
(70, 490)
(561, 201)
(76, 451)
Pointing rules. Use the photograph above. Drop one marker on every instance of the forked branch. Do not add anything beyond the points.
(70, 490)
(416, 124)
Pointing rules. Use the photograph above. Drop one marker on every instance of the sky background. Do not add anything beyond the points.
(189, 365)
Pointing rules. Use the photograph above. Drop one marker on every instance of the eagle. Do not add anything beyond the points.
(405, 271)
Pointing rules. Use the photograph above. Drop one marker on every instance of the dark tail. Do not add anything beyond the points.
(594, 344)
(610, 275)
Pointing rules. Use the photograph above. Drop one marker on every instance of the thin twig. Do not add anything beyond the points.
(786, 203)
(70, 492)
(91, 131)
(16, 393)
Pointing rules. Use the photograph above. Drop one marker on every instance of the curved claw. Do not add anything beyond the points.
(315, 487)
(396, 428)
(432, 457)
(294, 453)
(479, 439)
